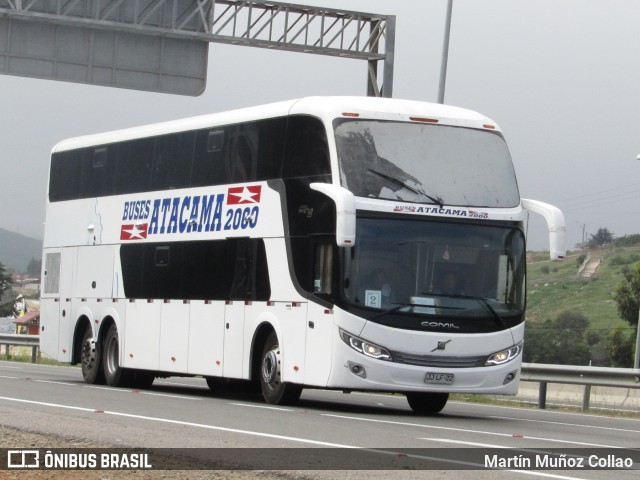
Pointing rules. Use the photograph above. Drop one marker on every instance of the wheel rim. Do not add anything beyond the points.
(270, 368)
(88, 353)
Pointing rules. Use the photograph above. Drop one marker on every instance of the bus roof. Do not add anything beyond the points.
(326, 108)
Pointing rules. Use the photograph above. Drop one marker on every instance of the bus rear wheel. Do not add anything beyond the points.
(114, 374)
(274, 390)
(90, 361)
(427, 403)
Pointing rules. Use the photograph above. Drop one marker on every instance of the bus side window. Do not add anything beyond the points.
(133, 166)
(250, 275)
(98, 167)
(211, 147)
(272, 135)
(172, 157)
(241, 166)
(323, 270)
(307, 149)
(161, 276)
(66, 175)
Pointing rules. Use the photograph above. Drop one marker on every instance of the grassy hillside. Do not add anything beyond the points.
(17, 250)
(554, 287)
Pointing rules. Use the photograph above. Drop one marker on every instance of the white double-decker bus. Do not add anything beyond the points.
(341, 242)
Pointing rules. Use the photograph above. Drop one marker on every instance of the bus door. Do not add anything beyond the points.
(320, 316)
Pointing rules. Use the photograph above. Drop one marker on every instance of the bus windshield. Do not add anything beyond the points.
(425, 163)
(416, 272)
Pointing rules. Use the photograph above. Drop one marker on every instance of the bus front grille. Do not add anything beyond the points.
(439, 361)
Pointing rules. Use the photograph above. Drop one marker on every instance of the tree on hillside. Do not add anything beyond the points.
(5, 284)
(627, 296)
(620, 348)
(561, 341)
(5, 280)
(35, 264)
(602, 237)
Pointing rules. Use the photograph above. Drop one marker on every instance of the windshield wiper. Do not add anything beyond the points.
(399, 306)
(496, 316)
(413, 189)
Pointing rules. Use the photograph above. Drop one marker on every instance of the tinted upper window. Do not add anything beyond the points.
(246, 152)
(307, 152)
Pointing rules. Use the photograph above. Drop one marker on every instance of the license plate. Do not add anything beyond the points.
(439, 378)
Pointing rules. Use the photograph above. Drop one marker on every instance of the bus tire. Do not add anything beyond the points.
(274, 390)
(427, 403)
(90, 360)
(114, 374)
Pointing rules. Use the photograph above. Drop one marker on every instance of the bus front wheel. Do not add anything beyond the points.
(427, 403)
(274, 390)
(90, 361)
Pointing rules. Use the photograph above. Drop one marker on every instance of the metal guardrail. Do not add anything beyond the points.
(15, 340)
(578, 375)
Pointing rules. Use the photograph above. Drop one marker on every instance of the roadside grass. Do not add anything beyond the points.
(22, 357)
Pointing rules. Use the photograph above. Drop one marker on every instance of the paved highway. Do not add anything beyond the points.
(183, 412)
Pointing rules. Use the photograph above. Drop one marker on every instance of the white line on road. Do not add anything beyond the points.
(566, 424)
(270, 435)
(182, 397)
(464, 430)
(56, 383)
(180, 422)
(266, 407)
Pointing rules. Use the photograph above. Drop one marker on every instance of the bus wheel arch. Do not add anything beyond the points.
(274, 390)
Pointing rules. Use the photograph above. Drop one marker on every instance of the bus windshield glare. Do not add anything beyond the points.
(472, 275)
(425, 163)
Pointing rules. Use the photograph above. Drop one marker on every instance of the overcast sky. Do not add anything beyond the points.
(560, 77)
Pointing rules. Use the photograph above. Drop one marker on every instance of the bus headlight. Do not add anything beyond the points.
(366, 348)
(503, 356)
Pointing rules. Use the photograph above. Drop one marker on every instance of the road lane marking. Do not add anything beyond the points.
(266, 407)
(464, 430)
(180, 422)
(56, 383)
(273, 436)
(566, 424)
(141, 392)
(168, 395)
(111, 389)
(6, 376)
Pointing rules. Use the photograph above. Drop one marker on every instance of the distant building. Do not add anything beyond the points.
(25, 284)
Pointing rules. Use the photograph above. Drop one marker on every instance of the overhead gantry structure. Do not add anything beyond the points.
(115, 42)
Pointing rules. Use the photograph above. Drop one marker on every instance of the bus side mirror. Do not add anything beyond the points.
(345, 202)
(555, 223)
